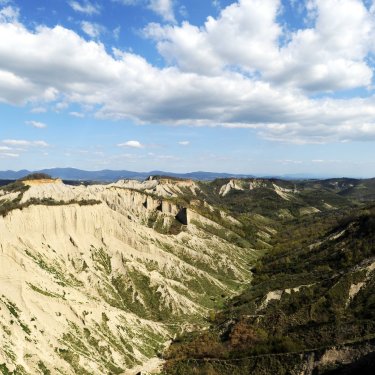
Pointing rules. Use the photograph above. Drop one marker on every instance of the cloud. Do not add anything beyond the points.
(85, 7)
(184, 143)
(16, 142)
(24, 143)
(163, 8)
(37, 78)
(131, 144)
(77, 114)
(8, 155)
(329, 56)
(128, 2)
(92, 29)
(216, 4)
(116, 32)
(297, 6)
(274, 89)
(36, 124)
(167, 157)
(289, 161)
(182, 10)
(11, 148)
(9, 14)
(38, 110)
(332, 55)
(205, 50)
(40, 144)
(7, 152)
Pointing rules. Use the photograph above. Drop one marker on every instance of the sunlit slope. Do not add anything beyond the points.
(96, 279)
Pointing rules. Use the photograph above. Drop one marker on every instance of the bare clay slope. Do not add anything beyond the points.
(94, 280)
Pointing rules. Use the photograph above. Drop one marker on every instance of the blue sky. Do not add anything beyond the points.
(265, 87)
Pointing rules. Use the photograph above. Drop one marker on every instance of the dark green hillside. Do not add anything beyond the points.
(313, 291)
(301, 197)
(363, 191)
(5, 182)
(36, 176)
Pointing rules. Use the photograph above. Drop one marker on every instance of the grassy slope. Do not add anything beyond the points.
(247, 339)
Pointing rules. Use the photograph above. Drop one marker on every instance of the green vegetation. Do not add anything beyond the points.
(18, 371)
(42, 367)
(15, 311)
(102, 260)
(36, 176)
(44, 292)
(62, 278)
(73, 360)
(85, 344)
(313, 264)
(15, 187)
(8, 206)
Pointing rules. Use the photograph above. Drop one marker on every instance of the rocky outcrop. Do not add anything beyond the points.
(152, 204)
(162, 187)
(245, 185)
(231, 185)
(169, 208)
(343, 359)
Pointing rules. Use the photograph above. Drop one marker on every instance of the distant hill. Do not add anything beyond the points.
(113, 175)
(108, 175)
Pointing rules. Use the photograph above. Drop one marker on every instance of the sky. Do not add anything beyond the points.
(264, 87)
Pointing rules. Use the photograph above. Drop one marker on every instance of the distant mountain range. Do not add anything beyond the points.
(107, 175)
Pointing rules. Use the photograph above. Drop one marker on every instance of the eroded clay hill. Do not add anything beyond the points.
(96, 279)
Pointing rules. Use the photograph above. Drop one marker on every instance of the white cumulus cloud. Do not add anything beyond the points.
(249, 79)
(36, 124)
(85, 7)
(24, 143)
(9, 14)
(131, 144)
(77, 114)
(4, 155)
(164, 8)
(92, 29)
(245, 34)
(329, 56)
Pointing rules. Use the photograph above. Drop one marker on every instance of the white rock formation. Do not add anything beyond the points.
(231, 185)
(86, 282)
